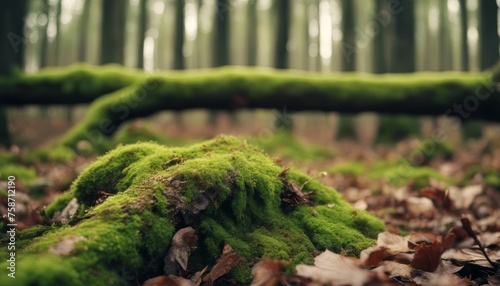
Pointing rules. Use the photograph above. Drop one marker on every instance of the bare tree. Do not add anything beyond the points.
(403, 44)
(221, 43)
(488, 34)
(179, 35)
(464, 58)
(84, 27)
(379, 42)
(113, 34)
(348, 36)
(143, 20)
(283, 27)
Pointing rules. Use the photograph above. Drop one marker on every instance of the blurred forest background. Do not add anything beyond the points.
(367, 36)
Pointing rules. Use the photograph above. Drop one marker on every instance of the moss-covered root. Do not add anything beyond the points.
(134, 198)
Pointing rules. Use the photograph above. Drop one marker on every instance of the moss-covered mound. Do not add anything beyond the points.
(132, 200)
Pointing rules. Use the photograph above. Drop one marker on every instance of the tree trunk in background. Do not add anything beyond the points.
(283, 27)
(403, 50)
(464, 58)
(179, 35)
(179, 62)
(113, 34)
(445, 50)
(57, 40)
(221, 43)
(379, 61)
(143, 20)
(252, 33)
(348, 39)
(488, 34)
(11, 51)
(44, 42)
(84, 27)
(5, 140)
(11, 27)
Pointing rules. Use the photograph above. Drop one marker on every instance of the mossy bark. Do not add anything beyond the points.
(233, 88)
(73, 85)
(133, 199)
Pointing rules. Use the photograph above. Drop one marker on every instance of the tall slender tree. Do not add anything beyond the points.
(221, 43)
(179, 62)
(84, 27)
(12, 16)
(143, 20)
(282, 35)
(403, 44)
(44, 39)
(379, 60)
(464, 57)
(348, 36)
(445, 50)
(488, 34)
(252, 32)
(58, 38)
(113, 33)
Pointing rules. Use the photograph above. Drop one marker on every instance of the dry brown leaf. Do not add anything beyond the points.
(333, 269)
(179, 251)
(225, 263)
(433, 279)
(395, 269)
(420, 207)
(468, 228)
(197, 277)
(267, 272)
(419, 237)
(394, 241)
(440, 197)
(427, 257)
(463, 198)
(168, 280)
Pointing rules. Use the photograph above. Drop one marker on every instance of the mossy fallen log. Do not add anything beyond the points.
(238, 87)
(466, 96)
(70, 85)
(132, 200)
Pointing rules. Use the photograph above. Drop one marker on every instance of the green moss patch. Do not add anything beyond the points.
(135, 197)
(286, 145)
(394, 172)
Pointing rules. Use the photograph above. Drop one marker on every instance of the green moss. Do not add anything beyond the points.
(491, 176)
(395, 172)
(419, 93)
(400, 172)
(286, 145)
(78, 83)
(23, 174)
(392, 129)
(429, 150)
(353, 168)
(346, 127)
(57, 205)
(129, 134)
(473, 129)
(59, 154)
(228, 190)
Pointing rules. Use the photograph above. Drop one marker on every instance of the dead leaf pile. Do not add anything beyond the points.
(176, 263)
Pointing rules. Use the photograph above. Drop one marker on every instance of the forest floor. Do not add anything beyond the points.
(441, 208)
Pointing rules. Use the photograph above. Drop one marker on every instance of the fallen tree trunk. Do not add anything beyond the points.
(465, 96)
(119, 94)
(71, 85)
(129, 203)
